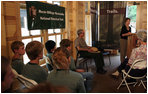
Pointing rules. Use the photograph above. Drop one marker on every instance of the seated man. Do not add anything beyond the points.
(50, 47)
(86, 75)
(137, 53)
(61, 75)
(86, 52)
(7, 75)
(32, 70)
(17, 60)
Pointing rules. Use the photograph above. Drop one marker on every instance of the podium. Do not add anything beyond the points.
(132, 42)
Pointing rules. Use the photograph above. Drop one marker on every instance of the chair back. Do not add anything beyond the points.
(139, 64)
(28, 83)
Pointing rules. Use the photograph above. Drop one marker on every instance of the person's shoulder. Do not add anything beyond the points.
(123, 26)
(75, 74)
(32, 66)
(17, 60)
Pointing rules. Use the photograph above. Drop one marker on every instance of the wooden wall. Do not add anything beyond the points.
(11, 26)
(11, 29)
(141, 21)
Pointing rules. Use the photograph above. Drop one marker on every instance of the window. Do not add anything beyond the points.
(38, 35)
(55, 35)
(25, 57)
(52, 38)
(56, 38)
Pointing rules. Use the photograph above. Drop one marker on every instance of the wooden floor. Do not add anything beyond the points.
(105, 83)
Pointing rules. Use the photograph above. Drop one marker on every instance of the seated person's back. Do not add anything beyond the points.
(35, 72)
(71, 79)
(32, 70)
(61, 75)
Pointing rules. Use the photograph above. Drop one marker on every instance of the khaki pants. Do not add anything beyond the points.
(123, 49)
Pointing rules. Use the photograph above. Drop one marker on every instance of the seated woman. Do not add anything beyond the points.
(61, 75)
(137, 53)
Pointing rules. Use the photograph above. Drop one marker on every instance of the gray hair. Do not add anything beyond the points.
(142, 35)
(79, 31)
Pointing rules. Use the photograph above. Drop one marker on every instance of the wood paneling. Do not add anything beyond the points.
(4, 51)
(141, 19)
(11, 26)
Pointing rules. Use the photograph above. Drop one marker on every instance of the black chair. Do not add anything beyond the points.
(80, 60)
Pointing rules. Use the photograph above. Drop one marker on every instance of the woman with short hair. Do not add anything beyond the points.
(137, 53)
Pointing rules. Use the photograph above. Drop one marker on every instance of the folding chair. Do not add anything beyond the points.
(28, 83)
(126, 74)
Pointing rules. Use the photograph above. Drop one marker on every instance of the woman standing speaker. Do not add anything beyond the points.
(125, 32)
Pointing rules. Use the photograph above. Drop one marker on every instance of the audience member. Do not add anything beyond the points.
(61, 75)
(137, 53)
(87, 52)
(32, 69)
(86, 75)
(50, 47)
(17, 60)
(7, 75)
(48, 88)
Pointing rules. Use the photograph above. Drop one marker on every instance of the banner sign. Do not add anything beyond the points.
(112, 11)
(44, 16)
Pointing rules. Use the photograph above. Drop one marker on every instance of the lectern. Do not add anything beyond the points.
(132, 42)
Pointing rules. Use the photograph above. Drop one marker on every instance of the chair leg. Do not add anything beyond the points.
(121, 83)
(135, 84)
(143, 84)
(127, 87)
(109, 59)
(124, 80)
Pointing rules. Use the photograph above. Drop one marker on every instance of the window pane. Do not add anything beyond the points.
(58, 40)
(49, 1)
(24, 29)
(52, 38)
(57, 30)
(37, 39)
(56, 2)
(35, 32)
(50, 31)
(25, 57)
